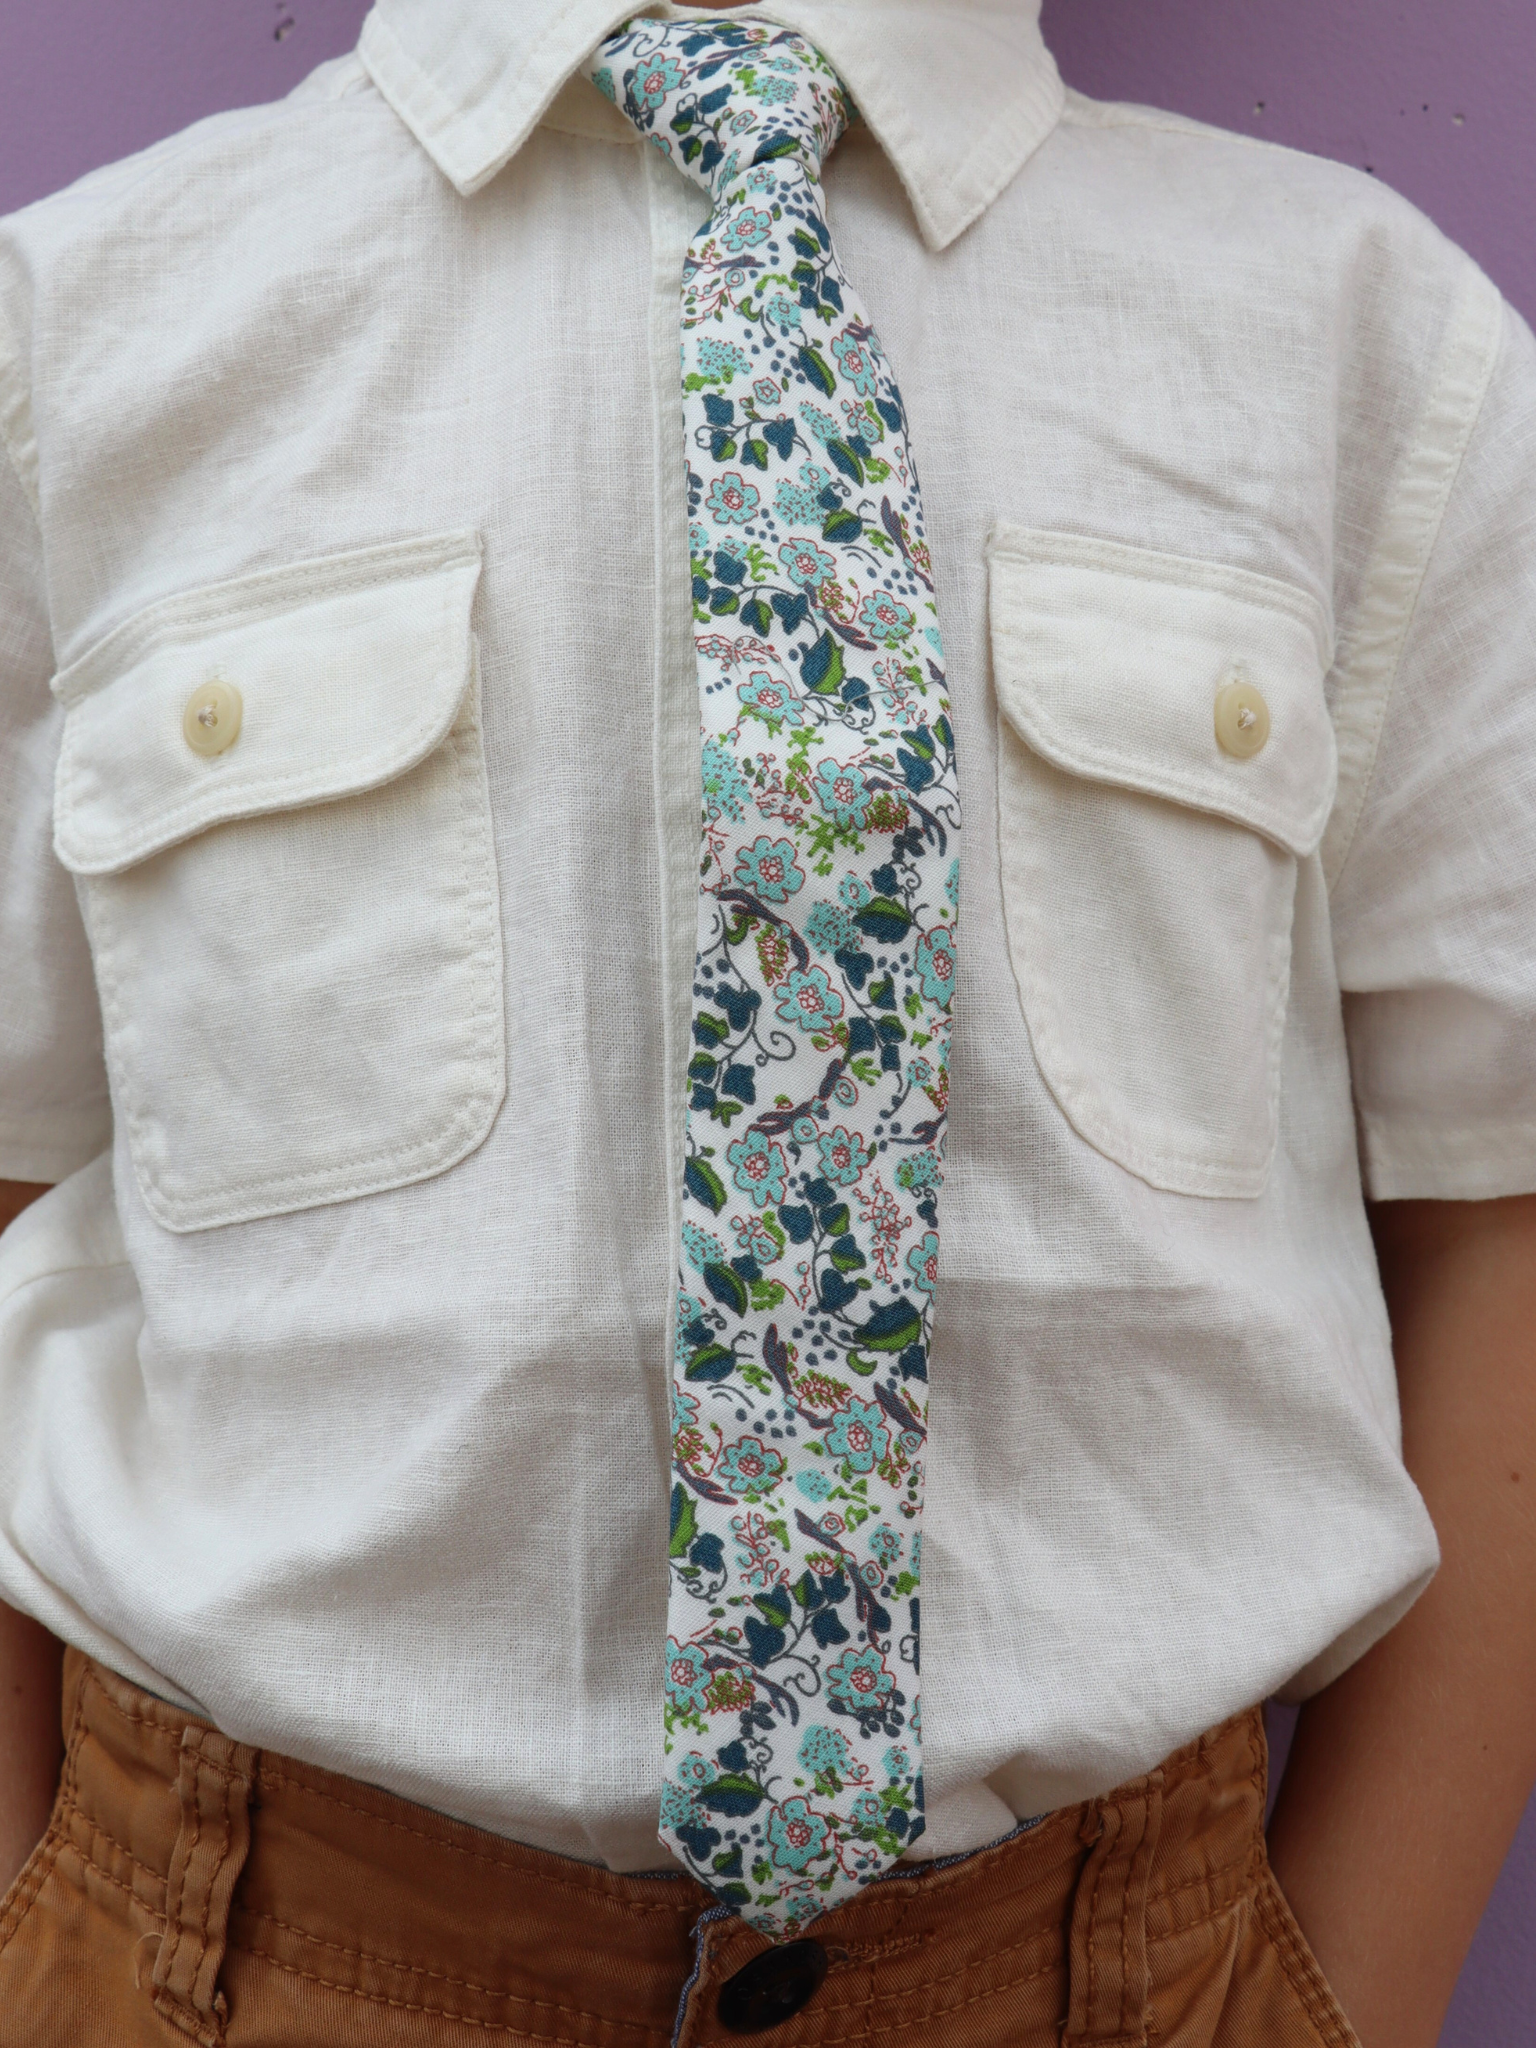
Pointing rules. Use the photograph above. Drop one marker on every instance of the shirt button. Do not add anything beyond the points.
(211, 721)
(1242, 720)
(772, 1987)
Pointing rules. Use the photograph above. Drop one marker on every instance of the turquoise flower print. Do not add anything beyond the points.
(865, 1810)
(603, 80)
(775, 700)
(858, 1435)
(699, 542)
(806, 564)
(815, 1485)
(919, 1072)
(766, 392)
(923, 1263)
(860, 1682)
(934, 958)
(689, 1309)
(677, 1807)
(750, 1468)
(810, 1001)
(843, 1157)
(774, 92)
(732, 500)
(897, 1761)
(721, 359)
(687, 1676)
(952, 885)
(696, 1770)
(841, 793)
(760, 1168)
(753, 1240)
(885, 1544)
(863, 420)
(701, 1249)
(685, 1411)
(745, 230)
(799, 505)
(922, 1170)
(853, 891)
(796, 1836)
(935, 640)
(829, 926)
(883, 618)
(762, 179)
(725, 787)
(824, 1749)
(821, 424)
(655, 80)
(857, 362)
(782, 311)
(768, 869)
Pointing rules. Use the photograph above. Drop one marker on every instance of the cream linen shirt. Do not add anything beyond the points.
(333, 1376)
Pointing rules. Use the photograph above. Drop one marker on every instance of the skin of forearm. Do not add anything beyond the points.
(30, 1658)
(31, 1749)
(1409, 1774)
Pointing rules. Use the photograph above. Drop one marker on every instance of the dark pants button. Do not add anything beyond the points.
(772, 1987)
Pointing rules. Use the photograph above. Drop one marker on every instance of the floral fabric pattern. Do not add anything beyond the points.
(821, 1010)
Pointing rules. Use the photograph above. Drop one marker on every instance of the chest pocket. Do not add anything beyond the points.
(1165, 760)
(296, 931)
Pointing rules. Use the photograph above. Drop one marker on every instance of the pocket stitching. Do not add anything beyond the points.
(249, 1200)
(1082, 1106)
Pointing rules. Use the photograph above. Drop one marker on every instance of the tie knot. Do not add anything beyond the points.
(720, 97)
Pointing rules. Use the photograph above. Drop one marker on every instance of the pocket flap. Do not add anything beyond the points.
(350, 670)
(1108, 662)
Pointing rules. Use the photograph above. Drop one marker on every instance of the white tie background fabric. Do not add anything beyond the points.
(823, 980)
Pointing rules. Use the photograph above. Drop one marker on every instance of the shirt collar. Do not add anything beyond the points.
(959, 93)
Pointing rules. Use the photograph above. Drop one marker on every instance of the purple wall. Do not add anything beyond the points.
(1433, 98)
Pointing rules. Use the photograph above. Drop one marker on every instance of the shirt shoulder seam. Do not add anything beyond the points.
(16, 433)
(1371, 644)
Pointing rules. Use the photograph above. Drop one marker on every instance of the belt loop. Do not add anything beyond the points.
(214, 1787)
(1108, 2002)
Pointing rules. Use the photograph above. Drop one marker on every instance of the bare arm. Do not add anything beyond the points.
(1409, 1774)
(30, 1749)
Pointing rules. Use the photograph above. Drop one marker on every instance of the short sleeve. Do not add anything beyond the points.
(54, 1113)
(1434, 909)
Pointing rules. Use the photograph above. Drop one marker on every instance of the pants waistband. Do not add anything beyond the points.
(230, 1859)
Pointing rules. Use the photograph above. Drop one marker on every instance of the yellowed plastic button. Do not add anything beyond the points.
(211, 721)
(1242, 720)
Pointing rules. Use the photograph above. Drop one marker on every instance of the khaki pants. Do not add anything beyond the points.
(193, 1888)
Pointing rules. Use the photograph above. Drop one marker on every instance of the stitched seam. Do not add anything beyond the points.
(364, 1955)
(1052, 549)
(173, 1912)
(1041, 1929)
(247, 600)
(1403, 550)
(446, 2012)
(685, 1910)
(421, 1156)
(1301, 1969)
(100, 1834)
(939, 2012)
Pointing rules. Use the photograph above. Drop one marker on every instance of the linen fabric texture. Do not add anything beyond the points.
(370, 1467)
(192, 1888)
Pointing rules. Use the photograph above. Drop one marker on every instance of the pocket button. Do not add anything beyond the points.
(1242, 720)
(211, 721)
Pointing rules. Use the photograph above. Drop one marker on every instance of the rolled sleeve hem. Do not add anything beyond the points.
(1403, 1162)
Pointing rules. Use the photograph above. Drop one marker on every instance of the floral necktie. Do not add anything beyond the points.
(821, 1007)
